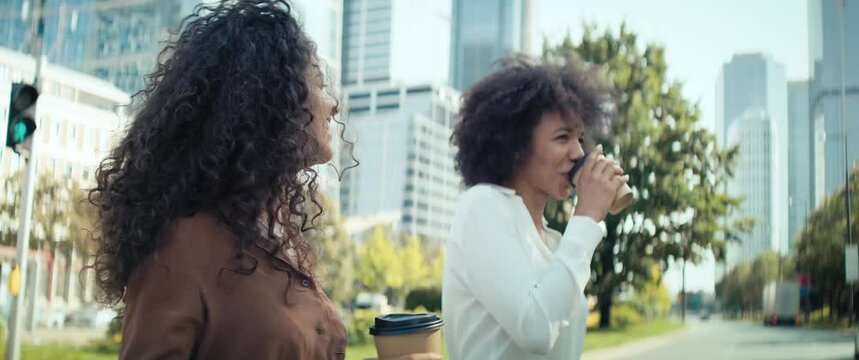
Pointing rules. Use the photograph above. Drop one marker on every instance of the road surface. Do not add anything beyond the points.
(718, 339)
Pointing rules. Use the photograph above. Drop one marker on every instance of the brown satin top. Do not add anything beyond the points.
(185, 301)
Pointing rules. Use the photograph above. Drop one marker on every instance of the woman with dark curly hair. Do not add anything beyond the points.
(512, 287)
(202, 204)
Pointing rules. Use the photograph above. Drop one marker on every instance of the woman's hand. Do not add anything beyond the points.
(597, 186)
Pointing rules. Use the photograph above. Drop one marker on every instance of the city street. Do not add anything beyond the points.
(725, 135)
(718, 339)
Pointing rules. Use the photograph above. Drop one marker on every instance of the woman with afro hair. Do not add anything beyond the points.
(513, 288)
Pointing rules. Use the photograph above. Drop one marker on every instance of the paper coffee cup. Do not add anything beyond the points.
(402, 334)
(622, 199)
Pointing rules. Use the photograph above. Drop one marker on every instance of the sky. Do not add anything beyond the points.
(699, 37)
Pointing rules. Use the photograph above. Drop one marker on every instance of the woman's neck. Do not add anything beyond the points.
(534, 199)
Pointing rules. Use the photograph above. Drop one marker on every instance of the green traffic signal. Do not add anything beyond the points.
(22, 107)
(19, 132)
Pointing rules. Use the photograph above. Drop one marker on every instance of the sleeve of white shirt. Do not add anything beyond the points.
(530, 305)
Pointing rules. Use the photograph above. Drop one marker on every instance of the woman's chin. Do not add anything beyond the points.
(321, 158)
(563, 193)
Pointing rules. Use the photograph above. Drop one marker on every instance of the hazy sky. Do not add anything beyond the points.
(699, 36)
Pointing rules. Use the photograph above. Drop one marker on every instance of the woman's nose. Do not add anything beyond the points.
(333, 105)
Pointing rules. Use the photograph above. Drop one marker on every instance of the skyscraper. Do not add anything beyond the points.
(825, 50)
(406, 177)
(128, 37)
(395, 41)
(484, 31)
(116, 40)
(68, 27)
(750, 81)
(751, 112)
(800, 176)
(755, 171)
(401, 116)
(323, 21)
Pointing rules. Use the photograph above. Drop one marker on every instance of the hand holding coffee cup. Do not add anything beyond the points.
(601, 185)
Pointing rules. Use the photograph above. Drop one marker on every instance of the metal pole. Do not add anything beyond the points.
(25, 214)
(842, 5)
(13, 342)
(30, 323)
(683, 311)
(683, 289)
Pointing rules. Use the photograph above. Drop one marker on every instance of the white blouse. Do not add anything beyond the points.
(510, 291)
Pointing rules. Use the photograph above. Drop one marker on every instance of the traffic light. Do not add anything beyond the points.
(22, 111)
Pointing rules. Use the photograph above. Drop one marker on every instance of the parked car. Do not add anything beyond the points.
(92, 317)
(374, 301)
(51, 318)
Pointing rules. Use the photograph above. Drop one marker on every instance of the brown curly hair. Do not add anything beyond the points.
(223, 127)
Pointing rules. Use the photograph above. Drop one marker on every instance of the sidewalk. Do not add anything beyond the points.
(631, 349)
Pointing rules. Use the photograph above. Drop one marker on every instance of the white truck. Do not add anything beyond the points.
(781, 303)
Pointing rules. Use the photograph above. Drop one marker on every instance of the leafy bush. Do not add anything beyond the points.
(105, 345)
(358, 327)
(624, 315)
(429, 298)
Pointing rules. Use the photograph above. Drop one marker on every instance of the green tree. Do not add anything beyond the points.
(731, 289)
(379, 270)
(62, 216)
(652, 300)
(741, 289)
(436, 269)
(675, 167)
(414, 266)
(820, 249)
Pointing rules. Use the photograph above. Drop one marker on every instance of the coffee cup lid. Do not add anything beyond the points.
(404, 324)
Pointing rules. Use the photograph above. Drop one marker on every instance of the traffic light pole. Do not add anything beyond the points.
(25, 213)
(16, 315)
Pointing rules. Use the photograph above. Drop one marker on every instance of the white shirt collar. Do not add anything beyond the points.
(503, 189)
(512, 193)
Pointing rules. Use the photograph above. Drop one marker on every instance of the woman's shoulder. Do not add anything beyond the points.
(488, 200)
(197, 239)
(192, 247)
(487, 192)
